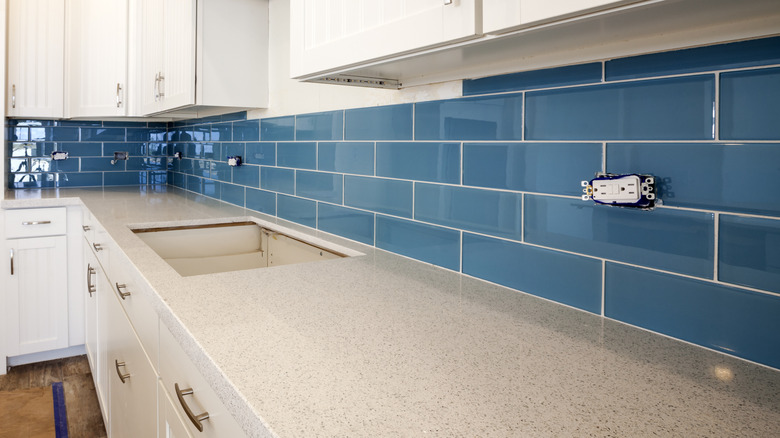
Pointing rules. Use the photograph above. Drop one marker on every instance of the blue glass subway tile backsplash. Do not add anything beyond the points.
(489, 184)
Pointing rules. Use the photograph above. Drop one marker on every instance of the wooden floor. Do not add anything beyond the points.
(84, 418)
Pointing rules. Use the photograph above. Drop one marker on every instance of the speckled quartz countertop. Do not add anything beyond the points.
(379, 345)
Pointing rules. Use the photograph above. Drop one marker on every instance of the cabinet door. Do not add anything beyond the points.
(152, 53)
(328, 34)
(170, 424)
(178, 83)
(91, 310)
(37, 295)
(505, 15)
(97, 57)
(132, 380)
(36, 35)
(103, 300)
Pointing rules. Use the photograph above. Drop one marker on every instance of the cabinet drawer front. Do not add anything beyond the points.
(35, 222)
(176, 368)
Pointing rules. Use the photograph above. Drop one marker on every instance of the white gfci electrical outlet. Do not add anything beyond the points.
(626, 189)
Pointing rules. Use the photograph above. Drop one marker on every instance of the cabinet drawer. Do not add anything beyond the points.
(176, 368)
(35, 222)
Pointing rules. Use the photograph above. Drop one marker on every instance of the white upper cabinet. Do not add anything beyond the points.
(328, 34)
(36, 43)
(97, 58)
(505, 15)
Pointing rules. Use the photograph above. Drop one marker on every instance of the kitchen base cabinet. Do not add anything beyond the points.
(95, 343)
(171, 425)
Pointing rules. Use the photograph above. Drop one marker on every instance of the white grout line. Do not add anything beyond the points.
(462, 163)
(522, 217)
(522, 120)
(603, 285)
(716, 244)
(604, 157)
(716, 110)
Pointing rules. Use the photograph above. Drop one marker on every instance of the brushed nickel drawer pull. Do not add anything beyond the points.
(196, 419)
(97, 246)
(90, 272)
(122, 377)
(12, 261)
(85, 227)
(36, 222)
(119, 288)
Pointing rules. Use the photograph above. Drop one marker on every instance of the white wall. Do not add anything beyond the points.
(288, 96)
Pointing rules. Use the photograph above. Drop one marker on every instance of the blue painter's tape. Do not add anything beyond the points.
(60, 415)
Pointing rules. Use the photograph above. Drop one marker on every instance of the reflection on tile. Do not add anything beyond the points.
(124, 178)
(319, 185)
(673, 240)
(102, 134)
(555, 168)
(248, 130)
(134, 149)
(102, 163)
(277, 129)
(717, 181)
(300, 155)
(380, 195)
(297, 210)
(473, 118)
(74, 179)
(439, 246)
(546, 78)
(261, 200)
(436, 162)
(658, 109)
(483, 211)
(60, 134)
(749, 252)
(393, 122)
(320, 126)
(222, 132)
(346, 157)
(726, 319)
(717, 57)
(262, 153)
(346, 222)
(277, 180)
(84, 149)
(72, 164)
(749, 104)
(195, 184)
(535, 271)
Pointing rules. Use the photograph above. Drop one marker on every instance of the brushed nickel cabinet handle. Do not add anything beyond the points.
(119, 288)
(97, 246)
(12, 261)
(122, 377)
(13, 96)
(196, 419)
(90, 272)
(118, 99)
(36, 222)
(85, 227)
(162, 86)
(157, 87)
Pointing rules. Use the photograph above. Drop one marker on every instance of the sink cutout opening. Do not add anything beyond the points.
(234, 246)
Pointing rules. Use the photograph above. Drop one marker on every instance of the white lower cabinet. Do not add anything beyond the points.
(170, 424)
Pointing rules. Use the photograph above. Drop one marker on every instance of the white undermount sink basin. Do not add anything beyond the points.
(232, 246)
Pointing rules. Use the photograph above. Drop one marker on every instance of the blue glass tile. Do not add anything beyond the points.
(749, 252)
(211, 188)
(230, 117)
(22, 165)
(135, 163)
(180, 134)
(673, 240)
(319, 185)
(18, 134)
(220, 171)
(247, 130)
(115, 124)
(81, 149)
(103, 134)
(437, 162)
(726, 319)
(554, 168)
(431, 244)
(565, 278)
(483, 211)
(26, 180)
(300, 155)
(717, 57)
(179, 180)
(155, 163)
(139, 134)
(25, 149)
(201, 168)
(528, 80)
(158, 149)
(750, 104)
(346, 157)
(277, 129)
(124, 178)
(230, 150)
(30, 122)
(706, 176)
(178, 147)
(247, 175)
(346, 222)
(392, 122)
(658, 109)
(472, 118)
(61, 134)
(263, 153)
(277, 180)
(200, 133)
(72, 164)
(134, 149)
(232, 194)
(297, 210)
(158, 177)
(260, 200)
(194, 184)
(196, 150)
(81, 179)
(157, 124)
(39, 164)
(381, 195)
(103, 163)
(222, 132)
(320, 126)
